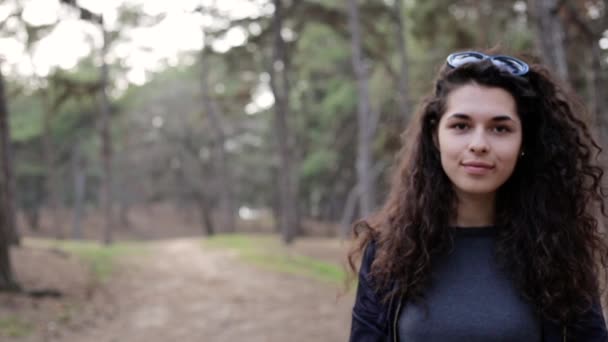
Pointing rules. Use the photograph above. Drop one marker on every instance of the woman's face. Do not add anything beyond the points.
(479, 138)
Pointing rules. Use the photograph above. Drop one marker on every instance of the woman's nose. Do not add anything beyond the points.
(479, 143)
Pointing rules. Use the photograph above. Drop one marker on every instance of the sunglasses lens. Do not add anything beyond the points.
(506, 63)
(509, 64)
(457, 60)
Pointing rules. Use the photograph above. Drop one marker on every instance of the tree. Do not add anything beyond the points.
(52, 181)
(106, 138)
(402, 51)
(34, 34)
(218, 136)
(364, 118)
(217, 132)
(279, 81)
(7, 192)
(6, 168)
(80, 178)
(181, 140)
(104, 119)
(70, 97)
(584, 32)
(550, 35)
(7, 280)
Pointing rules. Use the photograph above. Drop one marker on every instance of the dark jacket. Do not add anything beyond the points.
(374, 321)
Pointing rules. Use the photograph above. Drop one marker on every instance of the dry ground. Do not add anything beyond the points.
(180, 291)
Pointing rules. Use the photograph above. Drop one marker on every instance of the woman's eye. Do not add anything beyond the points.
(502, 129)
(460, 126)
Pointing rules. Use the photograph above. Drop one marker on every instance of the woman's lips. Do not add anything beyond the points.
(477, 168)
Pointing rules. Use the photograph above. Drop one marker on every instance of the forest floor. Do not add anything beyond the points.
(175, 289)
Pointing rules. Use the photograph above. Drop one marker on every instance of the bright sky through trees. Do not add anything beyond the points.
(143, 50)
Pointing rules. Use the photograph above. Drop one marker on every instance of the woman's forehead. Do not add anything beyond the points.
(480, 102)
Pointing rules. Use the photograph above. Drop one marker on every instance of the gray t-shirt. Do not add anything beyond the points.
(470, 298)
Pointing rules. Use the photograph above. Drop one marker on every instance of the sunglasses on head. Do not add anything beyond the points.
(510, 64)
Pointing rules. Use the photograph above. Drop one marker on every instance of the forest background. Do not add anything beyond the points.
(138, 120)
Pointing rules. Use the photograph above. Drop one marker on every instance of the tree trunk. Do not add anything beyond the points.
(349, 212)
(365, 133)
(49, 161)
(205, 215)
(220, 158)
(596, 99)
(7, 280)
(351, 202)
(595, 75)
(123, 213)
(402, 48)
(8, 191)
(550, 35)
(32, 189)
(79, 173)
(280, 88)
(106, 143)
(276, 202)
(597, 78)
(15, 238)
(32, 216)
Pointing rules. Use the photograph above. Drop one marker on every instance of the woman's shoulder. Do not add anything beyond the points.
(369, 254)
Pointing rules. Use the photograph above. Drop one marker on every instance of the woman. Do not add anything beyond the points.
(489, 231)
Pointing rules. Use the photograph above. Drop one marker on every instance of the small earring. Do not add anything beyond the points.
(522, 154)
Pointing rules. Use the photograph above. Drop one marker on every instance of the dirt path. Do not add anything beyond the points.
(181, 292)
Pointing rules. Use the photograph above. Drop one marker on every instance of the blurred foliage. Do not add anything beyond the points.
(26, 120)
(161, 135)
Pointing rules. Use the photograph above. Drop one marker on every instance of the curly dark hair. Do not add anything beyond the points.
(549, 239)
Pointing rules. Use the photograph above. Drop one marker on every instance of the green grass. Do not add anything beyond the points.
(13, 326)
(101, 258)
(269, 253)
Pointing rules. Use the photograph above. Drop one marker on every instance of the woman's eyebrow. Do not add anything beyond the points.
(502, 118)
(498, 118)
(459, 116)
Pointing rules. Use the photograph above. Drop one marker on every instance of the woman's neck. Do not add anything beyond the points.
(474, 210)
